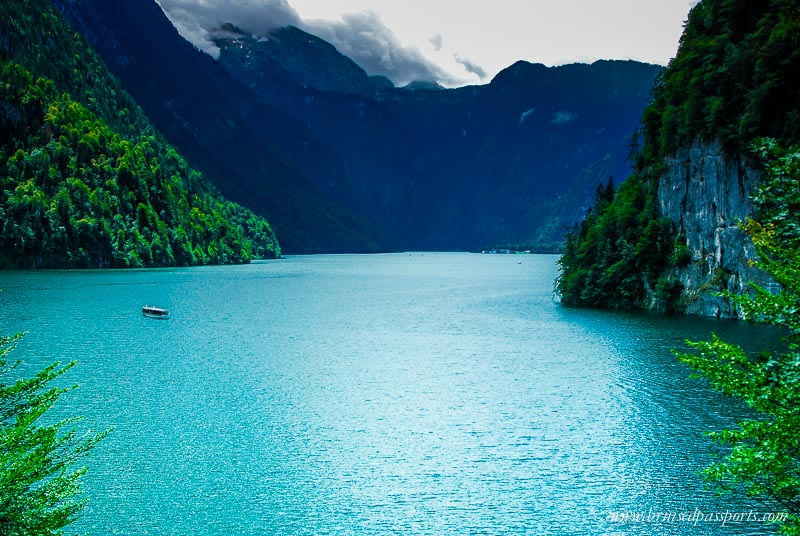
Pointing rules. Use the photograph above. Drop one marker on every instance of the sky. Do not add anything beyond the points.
(454, 42)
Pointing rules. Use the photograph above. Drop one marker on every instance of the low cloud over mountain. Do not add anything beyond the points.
(361, 36)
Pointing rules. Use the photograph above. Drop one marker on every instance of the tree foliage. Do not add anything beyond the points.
(40, 490)
(733, 79)
(615, 255)
(85, 181)
(764, 459)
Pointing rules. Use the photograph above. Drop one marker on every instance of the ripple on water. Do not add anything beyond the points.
(444, 394)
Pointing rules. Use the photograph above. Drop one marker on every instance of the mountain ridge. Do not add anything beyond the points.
(435, 142)
(255, 154)
(390, 168)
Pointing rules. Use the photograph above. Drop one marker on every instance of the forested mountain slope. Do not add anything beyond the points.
(255, 154)
(85, 181)
(670, 237)
(513, 161)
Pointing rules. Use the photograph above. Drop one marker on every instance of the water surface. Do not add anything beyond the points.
(384, 394)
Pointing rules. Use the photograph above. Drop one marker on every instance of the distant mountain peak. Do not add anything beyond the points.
(228, 30)
(519, 69)
(430, 85)
(513, 161)
(291, 56)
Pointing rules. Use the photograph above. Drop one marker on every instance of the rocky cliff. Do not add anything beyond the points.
(671, 235)
(706, 195)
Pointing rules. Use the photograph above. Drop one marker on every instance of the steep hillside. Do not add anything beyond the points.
(84, 179)
(290, 60)
(460, 168)
(255, 154)
(514, 161)
(731, 81)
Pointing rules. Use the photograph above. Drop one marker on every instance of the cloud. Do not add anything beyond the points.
(562, 117)
(195, 19)
(471, 67)
(436, 41)
(363, 37)
(524, 115)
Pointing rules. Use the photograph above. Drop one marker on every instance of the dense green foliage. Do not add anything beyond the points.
(734, 78)
(764, 459)
(618, 250)
(39, 483)
(258, 156)
(85, 181)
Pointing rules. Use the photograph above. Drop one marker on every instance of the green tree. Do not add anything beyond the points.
(616, 253)
(40, 489)
(85, 181)
(764, 459)
(731, 81)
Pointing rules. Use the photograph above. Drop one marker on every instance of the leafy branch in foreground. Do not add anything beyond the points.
(40, 490)
(764, 460)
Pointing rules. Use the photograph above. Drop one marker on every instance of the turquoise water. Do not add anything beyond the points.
(385, 394)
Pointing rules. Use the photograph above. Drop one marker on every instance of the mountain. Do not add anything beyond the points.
(512, 161)
(341, 161)
(85, 181)
(671, 237)
(255, 154)
(290, 60)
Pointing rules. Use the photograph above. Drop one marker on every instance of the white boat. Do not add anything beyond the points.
(155, 312)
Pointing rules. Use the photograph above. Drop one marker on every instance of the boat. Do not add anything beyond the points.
(155, 312)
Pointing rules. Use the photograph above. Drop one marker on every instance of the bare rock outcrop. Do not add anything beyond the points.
(706, 193)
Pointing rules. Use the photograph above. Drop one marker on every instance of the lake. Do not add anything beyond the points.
(429, 393)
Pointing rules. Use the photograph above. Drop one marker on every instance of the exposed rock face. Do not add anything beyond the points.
(706, 194)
